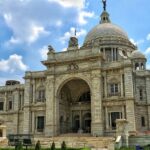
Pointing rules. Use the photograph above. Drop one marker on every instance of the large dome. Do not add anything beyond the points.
(105, 30)
(107, 33)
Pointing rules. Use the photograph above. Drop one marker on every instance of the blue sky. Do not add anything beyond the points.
(27, 27)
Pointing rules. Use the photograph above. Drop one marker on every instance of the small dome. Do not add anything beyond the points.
(105, 30)
(137, 54)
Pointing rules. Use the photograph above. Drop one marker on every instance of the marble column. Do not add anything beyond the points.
(96, 104)
(148, 98)
(51, 127)
(26, 116)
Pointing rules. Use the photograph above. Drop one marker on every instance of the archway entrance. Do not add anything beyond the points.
(75, 107)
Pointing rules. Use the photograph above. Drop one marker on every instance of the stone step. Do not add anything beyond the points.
(77, 142)
(3, 142)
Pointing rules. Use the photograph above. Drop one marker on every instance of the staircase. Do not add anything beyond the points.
(78, 141)
(3, 142)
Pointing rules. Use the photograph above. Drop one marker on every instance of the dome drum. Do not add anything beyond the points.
(110, 40)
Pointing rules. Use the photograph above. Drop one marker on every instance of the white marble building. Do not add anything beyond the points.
(84, 89)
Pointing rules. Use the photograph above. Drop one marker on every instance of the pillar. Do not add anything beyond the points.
(130, 114)
(52, 119)
(112, 59)
(26, 115)
(33, 122)
(5, 102)
(121, 76)
(105, 85)
(128, 82)
(148, 98)
(34, 91)
(80, 119)
(130, 111)
(96, 104)
(106, 117)
(15, 107)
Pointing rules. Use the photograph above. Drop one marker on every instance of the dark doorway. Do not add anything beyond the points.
(76, 124)
(114, 116)
(87, 122)
(1, 133)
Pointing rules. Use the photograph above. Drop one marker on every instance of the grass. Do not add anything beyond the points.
(47, 149)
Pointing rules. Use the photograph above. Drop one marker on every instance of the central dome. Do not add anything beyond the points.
(105, 30)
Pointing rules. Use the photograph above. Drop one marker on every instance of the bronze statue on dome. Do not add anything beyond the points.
(104, 4)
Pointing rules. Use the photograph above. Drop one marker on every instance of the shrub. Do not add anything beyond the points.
(53, 146)
(63, 146)
(19, 146)
(38, 146)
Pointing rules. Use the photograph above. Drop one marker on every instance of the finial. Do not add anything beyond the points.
(50, 48)
(104, 4)
(75, 32)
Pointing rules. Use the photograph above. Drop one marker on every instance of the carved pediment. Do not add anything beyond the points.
(72, 67)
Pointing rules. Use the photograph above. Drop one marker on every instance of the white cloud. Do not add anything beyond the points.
(12, 64)
(147, 51)
(36, 31)
(132, 41)
(70, 33)
(29, 19)
(148, 37)
(70, 3)
(13, 40)
(15, 77)
(43, 52)
(64, 49)
(137, 43)
(83, 15)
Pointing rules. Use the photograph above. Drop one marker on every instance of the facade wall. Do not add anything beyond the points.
(114, 87)
(141, 111)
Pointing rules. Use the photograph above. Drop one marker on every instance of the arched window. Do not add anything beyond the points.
(114, 89)
(41, 94)
(142, 66)
(137, 66)
(85, 97)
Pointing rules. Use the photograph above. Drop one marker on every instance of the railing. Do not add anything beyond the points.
(25, 139)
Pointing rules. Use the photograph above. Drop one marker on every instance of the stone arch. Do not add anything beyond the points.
(75, 87)
(64, 80)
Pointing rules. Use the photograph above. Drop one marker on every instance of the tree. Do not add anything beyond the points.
(63, 146)
(38, 145)
(53, 146)
(19, 146)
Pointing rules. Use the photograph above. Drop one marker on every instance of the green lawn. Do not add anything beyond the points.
(47, 149)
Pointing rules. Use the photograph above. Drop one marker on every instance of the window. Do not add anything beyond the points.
(41, 95)
(1, 106)
(40, 123)
(114, 89)
(85, 97)
(141, 94)
(143, 121)
(1, 133)
(9, 105)
(112, 119)
(142, 66)
(137, 66)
